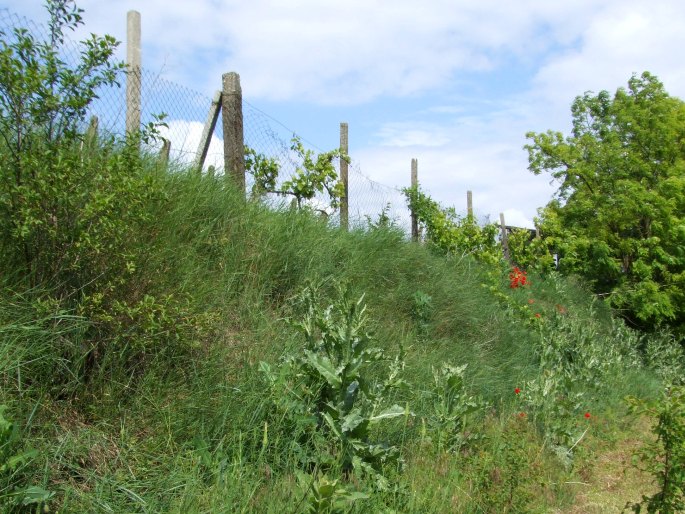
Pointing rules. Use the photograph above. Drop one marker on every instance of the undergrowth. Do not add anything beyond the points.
(167, 345)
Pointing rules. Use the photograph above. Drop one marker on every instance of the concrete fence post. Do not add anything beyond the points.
(133, 75)
(207, 132)
(164, 154)
(414, 185)
(505, 236)
(344, 177)
(232, 117)
(469, 204)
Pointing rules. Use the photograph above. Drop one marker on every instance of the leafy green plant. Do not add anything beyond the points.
(315, 174)
(329, 386)
(42, 99)
(577, 362)
(12, 462)
(326, 496)
(452, 406)
(666, 356)
(450, 233)
(530, 252)
(422, 311)
(383, 221)
(74, 209)
(43, 102)
(553, 400)
(665, 457)
(264, 170)
(503, 471)
(133, 330)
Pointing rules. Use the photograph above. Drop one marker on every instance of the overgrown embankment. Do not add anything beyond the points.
(167, 345)
(147, 393)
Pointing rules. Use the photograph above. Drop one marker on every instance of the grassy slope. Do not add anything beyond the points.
(183, 434)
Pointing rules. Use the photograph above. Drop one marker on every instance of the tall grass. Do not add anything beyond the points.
(183, 421)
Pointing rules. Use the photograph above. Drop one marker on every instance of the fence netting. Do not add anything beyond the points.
(184, 112)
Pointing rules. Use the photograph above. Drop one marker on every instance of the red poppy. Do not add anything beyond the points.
(531, 301)
(587, 415)
(522, 414)
(537, 314)
(517, 390)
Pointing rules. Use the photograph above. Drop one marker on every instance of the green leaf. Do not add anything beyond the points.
(325, 367)
(20, 459)
(333, 425)
(34, 494)
(391, 412)
(352, 420)
(351, 395)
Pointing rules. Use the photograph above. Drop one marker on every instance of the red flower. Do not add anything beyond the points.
(531, 301)
(537, 314)
(517, 390)
(517, 278)
(522, 414)
(587, 415)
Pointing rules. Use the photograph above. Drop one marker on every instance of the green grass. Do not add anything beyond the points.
(179, 423)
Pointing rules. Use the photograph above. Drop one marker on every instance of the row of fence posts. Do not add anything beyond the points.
(229, 102)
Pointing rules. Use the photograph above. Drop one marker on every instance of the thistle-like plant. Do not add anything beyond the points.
(329, 388)
(452, 406)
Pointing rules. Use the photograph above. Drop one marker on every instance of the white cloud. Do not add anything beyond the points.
(185, 138)
(335, 52)
(411, 134)
(515, 218)
(618, 41)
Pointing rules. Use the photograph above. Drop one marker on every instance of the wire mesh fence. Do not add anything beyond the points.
(184, 112)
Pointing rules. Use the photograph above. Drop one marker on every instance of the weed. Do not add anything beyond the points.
(328, 391)
(13, 461)
(325, 496)
(665, 457)
(422, 311)
(452, 406)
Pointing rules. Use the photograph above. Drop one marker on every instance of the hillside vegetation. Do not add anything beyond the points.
(167, 345)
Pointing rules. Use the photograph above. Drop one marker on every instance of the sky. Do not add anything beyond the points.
(455, 84)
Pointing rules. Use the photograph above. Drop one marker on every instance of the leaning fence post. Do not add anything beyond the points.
(505, 236)
(207, 132)
(133, 76)
(92, 132)
(414, 186)
(90, 139)
(344, 170)
(164, 154)
(232, 117)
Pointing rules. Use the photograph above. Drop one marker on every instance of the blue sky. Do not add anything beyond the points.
(455, 84)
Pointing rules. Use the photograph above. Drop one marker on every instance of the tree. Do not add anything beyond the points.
(315, 175)
(618, 216)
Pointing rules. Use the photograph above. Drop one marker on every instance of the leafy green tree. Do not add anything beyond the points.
(618, 217)
(315, 174)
